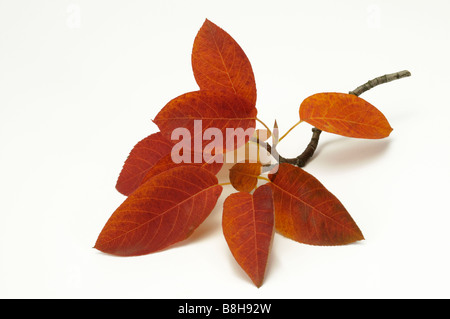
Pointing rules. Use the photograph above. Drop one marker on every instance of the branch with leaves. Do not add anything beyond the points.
(304, 157)
(172, 187)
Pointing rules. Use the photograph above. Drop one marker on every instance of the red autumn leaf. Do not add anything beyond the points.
(170, 176)
(164, 210)
(307, 212)
(344, 114)
(166, 163)
(248, 224)
(142, 157)
(216, 110)
(244, 176)
(219, 63)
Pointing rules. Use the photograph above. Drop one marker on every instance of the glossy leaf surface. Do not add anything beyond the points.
(142, 157)
(164, 210)
(220, 64)
(248, 224)
(307, 212)
(344, 114)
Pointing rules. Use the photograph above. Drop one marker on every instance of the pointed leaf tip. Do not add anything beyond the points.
(307, 212)
(220, 64)
(162, 211)
(144, 155)
(248, 225)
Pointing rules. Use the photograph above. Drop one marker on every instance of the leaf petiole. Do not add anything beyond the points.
(223, 184)
(264, 124)
(279, 140)
(263, 178)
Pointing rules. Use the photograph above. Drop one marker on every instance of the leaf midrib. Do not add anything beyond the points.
(221, 58)
(161, 214)
(315, 209)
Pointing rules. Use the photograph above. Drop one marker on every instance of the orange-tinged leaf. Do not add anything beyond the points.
(216, 111)
(219, 63)
(244, 176)
(344, 114)
(248, 223)
(307, 212)
(142, 157)
(164, 210)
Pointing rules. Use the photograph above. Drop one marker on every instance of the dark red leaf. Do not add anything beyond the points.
(248, 224)
(307, 212)
(219, 63)
(142, 157)
(201, 110)
(166, 163)
(164, 210)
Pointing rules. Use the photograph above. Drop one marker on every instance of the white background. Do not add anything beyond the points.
(80, 82)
